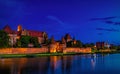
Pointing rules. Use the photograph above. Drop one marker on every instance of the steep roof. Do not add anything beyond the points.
(35, 33)
(67, 36)
(9, 30)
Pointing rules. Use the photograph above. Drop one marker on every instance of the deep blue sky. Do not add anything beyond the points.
(87, 20)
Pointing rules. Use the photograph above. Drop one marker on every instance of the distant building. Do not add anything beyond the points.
(101, 45)
(14, 35)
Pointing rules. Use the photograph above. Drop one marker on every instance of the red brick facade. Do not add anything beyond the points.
(14, 35)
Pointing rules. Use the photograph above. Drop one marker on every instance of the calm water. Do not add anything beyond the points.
(75, 64)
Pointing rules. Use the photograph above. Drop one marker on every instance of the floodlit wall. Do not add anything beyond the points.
(41, 50)
(23, 50)
(77, 50)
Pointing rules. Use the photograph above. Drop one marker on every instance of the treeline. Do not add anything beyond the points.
(80, 44)
(24, 41)
(115, 47)
(4, 39)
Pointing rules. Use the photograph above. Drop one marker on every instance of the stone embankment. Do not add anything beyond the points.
(77, 50)
(41, 50)
(23, 50)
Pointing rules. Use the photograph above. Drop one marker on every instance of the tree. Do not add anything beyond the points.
(88, 45)
(34, 41)
(79, 43)
(18, 43)
(4, 39)
(25, 40)
(69, 44)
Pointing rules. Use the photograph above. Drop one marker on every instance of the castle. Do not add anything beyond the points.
(54, 46)
(14, 35)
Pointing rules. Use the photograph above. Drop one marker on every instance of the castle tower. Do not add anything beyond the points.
(52, 40)
(68, 37)
(63, 40)
(19, 28)
(19, 31)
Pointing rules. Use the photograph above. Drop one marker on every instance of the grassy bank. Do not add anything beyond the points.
(33, 55)
(49, 54)
(104, 51)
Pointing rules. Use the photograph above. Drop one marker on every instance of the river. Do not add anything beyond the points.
(70, 64)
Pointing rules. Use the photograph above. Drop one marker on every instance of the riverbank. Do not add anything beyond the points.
(50, 54)
(33, 55)
(38, 52)
(43, 50)
(105, 51)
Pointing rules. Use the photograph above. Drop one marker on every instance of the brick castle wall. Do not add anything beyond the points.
(23, 50)
(77, 50)
(41, 50)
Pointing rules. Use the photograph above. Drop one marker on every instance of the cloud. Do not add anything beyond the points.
(109, 22)
(111, 30)
(55, 19)
(101, 19)
(63, 25)
(112, 22)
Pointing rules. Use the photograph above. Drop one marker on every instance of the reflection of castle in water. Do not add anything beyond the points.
(41, 65)
(24, 65)
(60, 63)
(50, 64)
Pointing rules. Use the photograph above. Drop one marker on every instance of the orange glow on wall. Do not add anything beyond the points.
(19, 28)
(23, 50)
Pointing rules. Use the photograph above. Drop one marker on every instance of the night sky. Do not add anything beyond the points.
(86, 20)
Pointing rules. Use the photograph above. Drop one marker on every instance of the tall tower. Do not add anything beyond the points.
(19, 28)
(68, 37)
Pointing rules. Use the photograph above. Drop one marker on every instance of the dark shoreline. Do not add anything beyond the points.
(33, 55)
(50, 54)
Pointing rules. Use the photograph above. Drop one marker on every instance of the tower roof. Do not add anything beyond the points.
(8, 29)
(35, 33)
(67, 36)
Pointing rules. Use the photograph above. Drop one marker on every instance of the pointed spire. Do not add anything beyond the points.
(52, 39)
(68, 37)
(63, 40)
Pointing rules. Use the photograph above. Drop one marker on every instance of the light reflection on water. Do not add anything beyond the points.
(72, 64)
